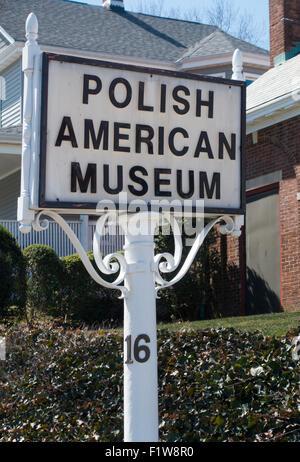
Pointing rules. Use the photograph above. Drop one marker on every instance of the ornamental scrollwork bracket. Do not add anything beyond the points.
(111, 264)
(170, 264)
(115, 263)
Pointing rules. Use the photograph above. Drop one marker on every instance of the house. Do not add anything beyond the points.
(110, 33)
(273, 170)
(264, 264)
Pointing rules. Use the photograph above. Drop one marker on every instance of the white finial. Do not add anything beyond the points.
(31, 26)
(31, 46)
(237, 65)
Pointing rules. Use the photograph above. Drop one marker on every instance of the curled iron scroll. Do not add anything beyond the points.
(105, 265)
(172, 262)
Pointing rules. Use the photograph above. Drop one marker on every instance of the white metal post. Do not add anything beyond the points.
(30, 52)
(140, 343)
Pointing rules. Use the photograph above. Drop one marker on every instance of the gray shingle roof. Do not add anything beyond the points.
(276, 82)
(93, 28)
(219, 42)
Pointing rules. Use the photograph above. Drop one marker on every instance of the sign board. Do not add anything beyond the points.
(156, 135)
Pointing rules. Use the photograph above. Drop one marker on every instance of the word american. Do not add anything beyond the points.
(124, 137)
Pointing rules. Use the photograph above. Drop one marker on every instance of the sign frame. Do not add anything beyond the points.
(90, 207)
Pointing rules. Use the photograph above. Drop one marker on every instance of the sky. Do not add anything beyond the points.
(258, 9)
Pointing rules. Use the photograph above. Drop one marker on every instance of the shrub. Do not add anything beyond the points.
(197, 295)
(44, 276)
(82, 298)
(12, 273)
(67, 386)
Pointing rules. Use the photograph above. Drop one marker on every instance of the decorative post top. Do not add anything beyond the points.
(31, 27)
(237, 65)
(31, 48)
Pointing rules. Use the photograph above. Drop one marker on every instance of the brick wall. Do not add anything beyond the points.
(278, 148)
(284, 26)
(231, 291)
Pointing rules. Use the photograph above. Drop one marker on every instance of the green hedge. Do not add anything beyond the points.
(69, 288)
(82, 298)
(44, 277)
(63, 287)
(67, 386)
(12, 274)
(201, 294)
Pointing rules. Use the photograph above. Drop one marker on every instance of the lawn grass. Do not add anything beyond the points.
(273, 324)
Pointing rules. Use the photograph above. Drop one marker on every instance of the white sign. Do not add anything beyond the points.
(156, 135)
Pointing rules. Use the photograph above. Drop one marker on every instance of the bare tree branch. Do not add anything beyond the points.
(158, 8)
(191, 14)
(232, 20)
(247, 29)
(155, 7)
(223, 14)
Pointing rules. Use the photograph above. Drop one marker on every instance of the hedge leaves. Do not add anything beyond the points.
(67, 386)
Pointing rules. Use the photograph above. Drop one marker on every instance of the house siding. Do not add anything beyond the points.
(10, 103)
(9, 191)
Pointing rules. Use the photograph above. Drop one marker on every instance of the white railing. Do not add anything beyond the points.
(111, 241)
(56, 238)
